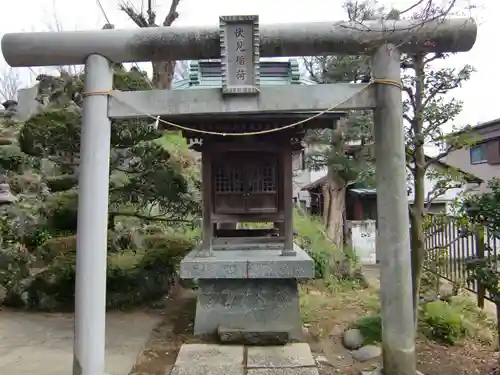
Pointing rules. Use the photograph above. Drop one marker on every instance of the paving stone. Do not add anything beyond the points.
(207, 369)
(379, 372)
(321, 359)
(209, 354)
(291, 355)
(257, 335)
(284, 371)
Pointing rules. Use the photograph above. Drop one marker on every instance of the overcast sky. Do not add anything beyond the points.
(479, 94)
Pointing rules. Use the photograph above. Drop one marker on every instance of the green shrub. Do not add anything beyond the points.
(133, 276)
(13, 159)
(311, 239)
(443, 323)
(118, 241)
(165, 248)
(61, 183)
(371, 328)
(61, 211)
(54, 247)
(428, 284)
(14, 270)
(25, 183)
(36, 238)
(327, 259)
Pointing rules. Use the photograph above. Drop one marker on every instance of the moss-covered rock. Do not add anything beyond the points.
(61, 211)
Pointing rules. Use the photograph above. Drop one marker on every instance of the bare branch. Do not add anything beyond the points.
(136, 16)
(147, 218)
(10, 83)
(440, 156)
(172, 13)
(413, 6)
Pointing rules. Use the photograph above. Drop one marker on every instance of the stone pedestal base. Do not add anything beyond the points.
(249, 305)
(248, 288)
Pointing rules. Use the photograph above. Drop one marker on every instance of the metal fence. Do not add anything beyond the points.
(449, 248)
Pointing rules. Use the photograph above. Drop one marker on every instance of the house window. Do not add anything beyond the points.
(478, 154)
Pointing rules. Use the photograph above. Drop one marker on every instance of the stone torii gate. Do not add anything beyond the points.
(98, 49)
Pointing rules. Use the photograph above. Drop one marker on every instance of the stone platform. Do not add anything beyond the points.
(209, 359)
(249, 288)
(256, 261)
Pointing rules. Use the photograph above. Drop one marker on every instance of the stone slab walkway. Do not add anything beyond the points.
(42, 344)
(213, 359)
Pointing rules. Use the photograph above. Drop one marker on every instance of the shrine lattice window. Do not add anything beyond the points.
(247, 177)
(245, 183)
(261, 177)
(229, 179)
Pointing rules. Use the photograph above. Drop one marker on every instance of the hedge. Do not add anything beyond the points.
(133, 276)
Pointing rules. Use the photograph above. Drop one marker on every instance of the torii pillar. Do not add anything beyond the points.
(96, 49)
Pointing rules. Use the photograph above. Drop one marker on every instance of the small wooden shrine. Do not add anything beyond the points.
(248, 178)
(248, 278)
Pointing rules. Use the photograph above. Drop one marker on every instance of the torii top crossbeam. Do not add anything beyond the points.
(183, 43)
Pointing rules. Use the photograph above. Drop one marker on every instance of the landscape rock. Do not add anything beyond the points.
(353, 339)
(367, 353)
(322, 360)
(255, 336)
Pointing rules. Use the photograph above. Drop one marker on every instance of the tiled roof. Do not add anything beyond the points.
(207, 74)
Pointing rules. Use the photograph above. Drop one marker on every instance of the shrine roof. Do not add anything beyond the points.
(207, 74)
(204, 74)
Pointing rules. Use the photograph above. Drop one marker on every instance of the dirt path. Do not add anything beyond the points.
(175, 329)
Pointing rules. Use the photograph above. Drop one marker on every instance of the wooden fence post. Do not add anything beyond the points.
(480, 250)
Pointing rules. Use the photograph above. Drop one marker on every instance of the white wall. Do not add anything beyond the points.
(364, 234)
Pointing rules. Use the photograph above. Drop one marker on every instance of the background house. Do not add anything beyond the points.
(361, 202)
(483, 158)
(361, 206)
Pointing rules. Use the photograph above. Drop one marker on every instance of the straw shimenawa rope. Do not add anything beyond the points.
(267, 131)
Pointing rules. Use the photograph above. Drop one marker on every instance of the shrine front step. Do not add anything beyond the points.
(261, 334)
(210, 359)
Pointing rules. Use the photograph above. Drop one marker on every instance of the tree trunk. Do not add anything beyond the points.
(498, 325)
(163, 74)
(163, 71)
(326, 202)
(417, 239)
(335, 208)
(417, 259)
